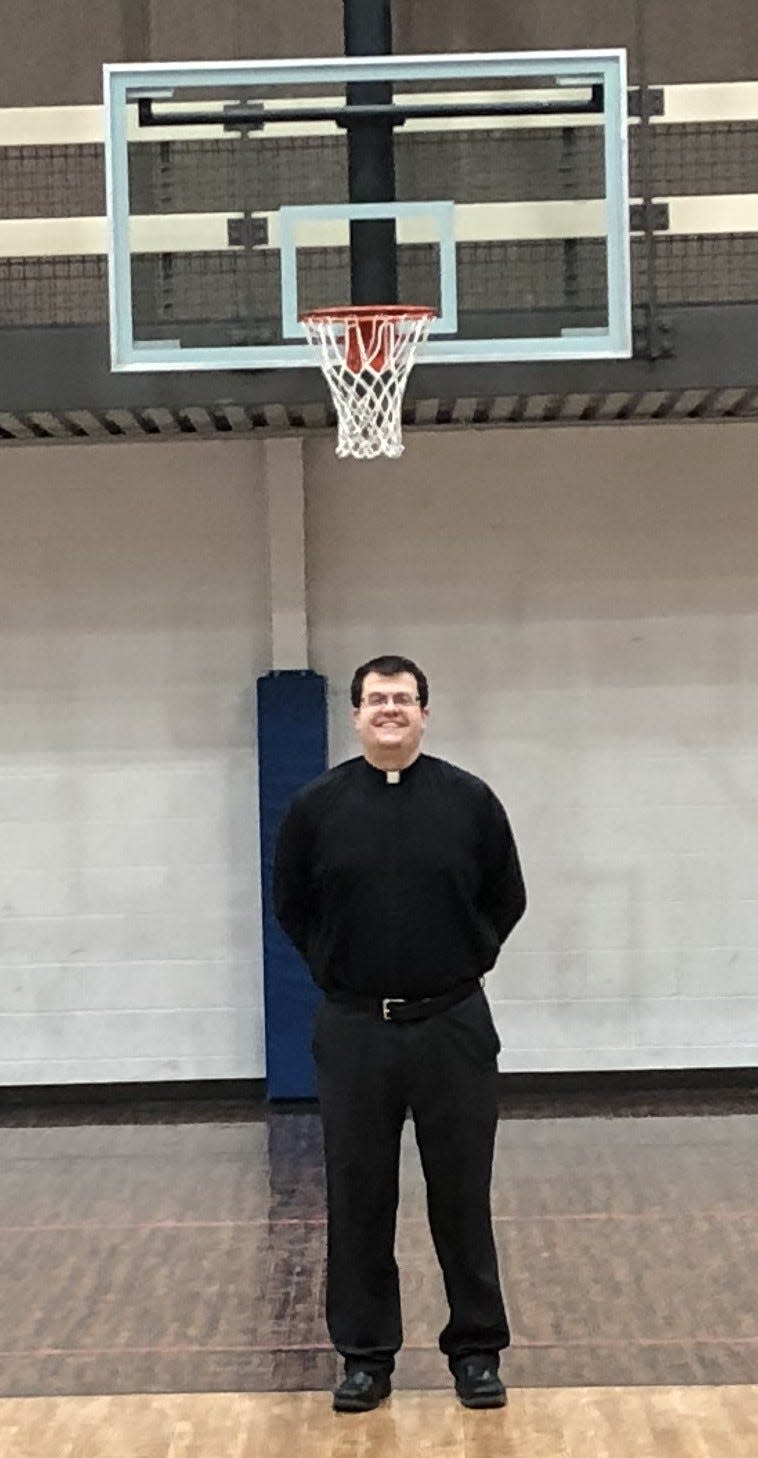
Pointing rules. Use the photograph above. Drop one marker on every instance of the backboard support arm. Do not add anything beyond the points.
(371, 157)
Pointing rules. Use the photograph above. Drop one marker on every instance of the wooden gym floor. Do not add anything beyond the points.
(161, 1294)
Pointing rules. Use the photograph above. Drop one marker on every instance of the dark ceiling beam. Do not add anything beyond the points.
(64, 369)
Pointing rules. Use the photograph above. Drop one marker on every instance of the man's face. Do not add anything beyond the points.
(390, 720)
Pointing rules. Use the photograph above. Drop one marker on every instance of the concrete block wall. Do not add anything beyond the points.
(585, 603)
(133, 623)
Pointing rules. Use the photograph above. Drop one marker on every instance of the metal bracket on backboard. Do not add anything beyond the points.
(247, 232)
(653, 98)
(649, 217)
(252, 116)
(653, 336)
(251, 121)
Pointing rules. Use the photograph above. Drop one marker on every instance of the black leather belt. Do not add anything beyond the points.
(402, 1009)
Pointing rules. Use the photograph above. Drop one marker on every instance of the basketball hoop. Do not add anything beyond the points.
(367, 353)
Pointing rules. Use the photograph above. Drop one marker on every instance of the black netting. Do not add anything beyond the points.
(233, 294)
(528, 165)
(52, 182)
(265, 173)
(542, 274)
(43, 291)
(716, 268)
(259, 174)
(210, 297)
(206, 290)
(696, 159)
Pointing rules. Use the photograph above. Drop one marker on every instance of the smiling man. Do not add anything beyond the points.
(397, 878)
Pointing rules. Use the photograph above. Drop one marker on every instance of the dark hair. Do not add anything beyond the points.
(388, 665)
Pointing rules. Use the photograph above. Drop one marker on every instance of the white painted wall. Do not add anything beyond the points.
(585, 602)
(134, 620)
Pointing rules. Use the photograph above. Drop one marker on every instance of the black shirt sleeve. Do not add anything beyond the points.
(502, 897)
(293, 895)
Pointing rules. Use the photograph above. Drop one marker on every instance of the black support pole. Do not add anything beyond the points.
(371, 158)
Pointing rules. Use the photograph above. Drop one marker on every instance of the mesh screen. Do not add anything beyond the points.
(188, 289)
(692, 159)
(261, 174)
(716, 268)
(527, 165)
(52, 182)
(234, 295)
(63, 290)
(226, 174)
(208, 289)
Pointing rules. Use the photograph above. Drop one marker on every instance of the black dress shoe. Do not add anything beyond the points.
(477, 1383)
(359, 1391)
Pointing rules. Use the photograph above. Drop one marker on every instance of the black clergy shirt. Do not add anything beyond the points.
(397, 884)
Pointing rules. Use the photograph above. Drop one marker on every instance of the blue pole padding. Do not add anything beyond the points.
(292, 749)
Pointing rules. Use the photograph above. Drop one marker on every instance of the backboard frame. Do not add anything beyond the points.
(125, 83)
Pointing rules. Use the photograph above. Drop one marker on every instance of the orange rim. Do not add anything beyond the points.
(345, 312)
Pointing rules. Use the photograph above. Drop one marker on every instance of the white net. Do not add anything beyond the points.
(367, 357)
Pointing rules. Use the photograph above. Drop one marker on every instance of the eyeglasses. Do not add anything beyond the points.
(381, 701)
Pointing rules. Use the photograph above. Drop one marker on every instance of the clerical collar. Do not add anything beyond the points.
(391, 776)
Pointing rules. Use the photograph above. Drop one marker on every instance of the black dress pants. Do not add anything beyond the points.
(369, 1073)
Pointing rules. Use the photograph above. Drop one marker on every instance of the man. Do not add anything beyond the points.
(396, 877)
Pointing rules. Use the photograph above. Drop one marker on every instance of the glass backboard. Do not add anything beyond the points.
(235, 202)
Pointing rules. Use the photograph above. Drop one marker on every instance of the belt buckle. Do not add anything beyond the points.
(387, 1008)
